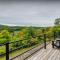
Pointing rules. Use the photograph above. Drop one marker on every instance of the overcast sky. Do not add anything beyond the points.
(29, 13)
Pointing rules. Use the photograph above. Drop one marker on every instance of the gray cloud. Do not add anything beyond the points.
(29, 13)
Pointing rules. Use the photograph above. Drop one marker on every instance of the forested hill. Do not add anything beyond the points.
(2, 27)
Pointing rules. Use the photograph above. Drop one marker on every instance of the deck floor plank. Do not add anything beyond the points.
(46, 54)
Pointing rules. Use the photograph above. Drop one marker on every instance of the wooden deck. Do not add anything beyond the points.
(46, 54)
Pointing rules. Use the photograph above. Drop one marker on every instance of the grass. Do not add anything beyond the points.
(17, 52)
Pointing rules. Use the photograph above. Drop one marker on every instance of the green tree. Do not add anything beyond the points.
(5, 36)
(57, 21)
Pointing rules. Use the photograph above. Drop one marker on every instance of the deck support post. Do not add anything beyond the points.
(44, 36)
(52, 44)
(7, 51)
(44, 41)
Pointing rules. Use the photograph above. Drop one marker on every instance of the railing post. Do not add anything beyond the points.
(44, 36)
(54, 36)
(7, 51)
(53, 44)
(45, 41)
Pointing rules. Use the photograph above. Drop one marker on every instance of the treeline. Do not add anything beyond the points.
(12, 33)
(27, 36)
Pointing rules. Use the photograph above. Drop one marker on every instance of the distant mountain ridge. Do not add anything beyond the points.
(15, 28)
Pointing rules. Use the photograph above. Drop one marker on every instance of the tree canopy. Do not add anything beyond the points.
(57, 21)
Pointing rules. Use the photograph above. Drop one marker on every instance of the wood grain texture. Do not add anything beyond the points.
(46, 54)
